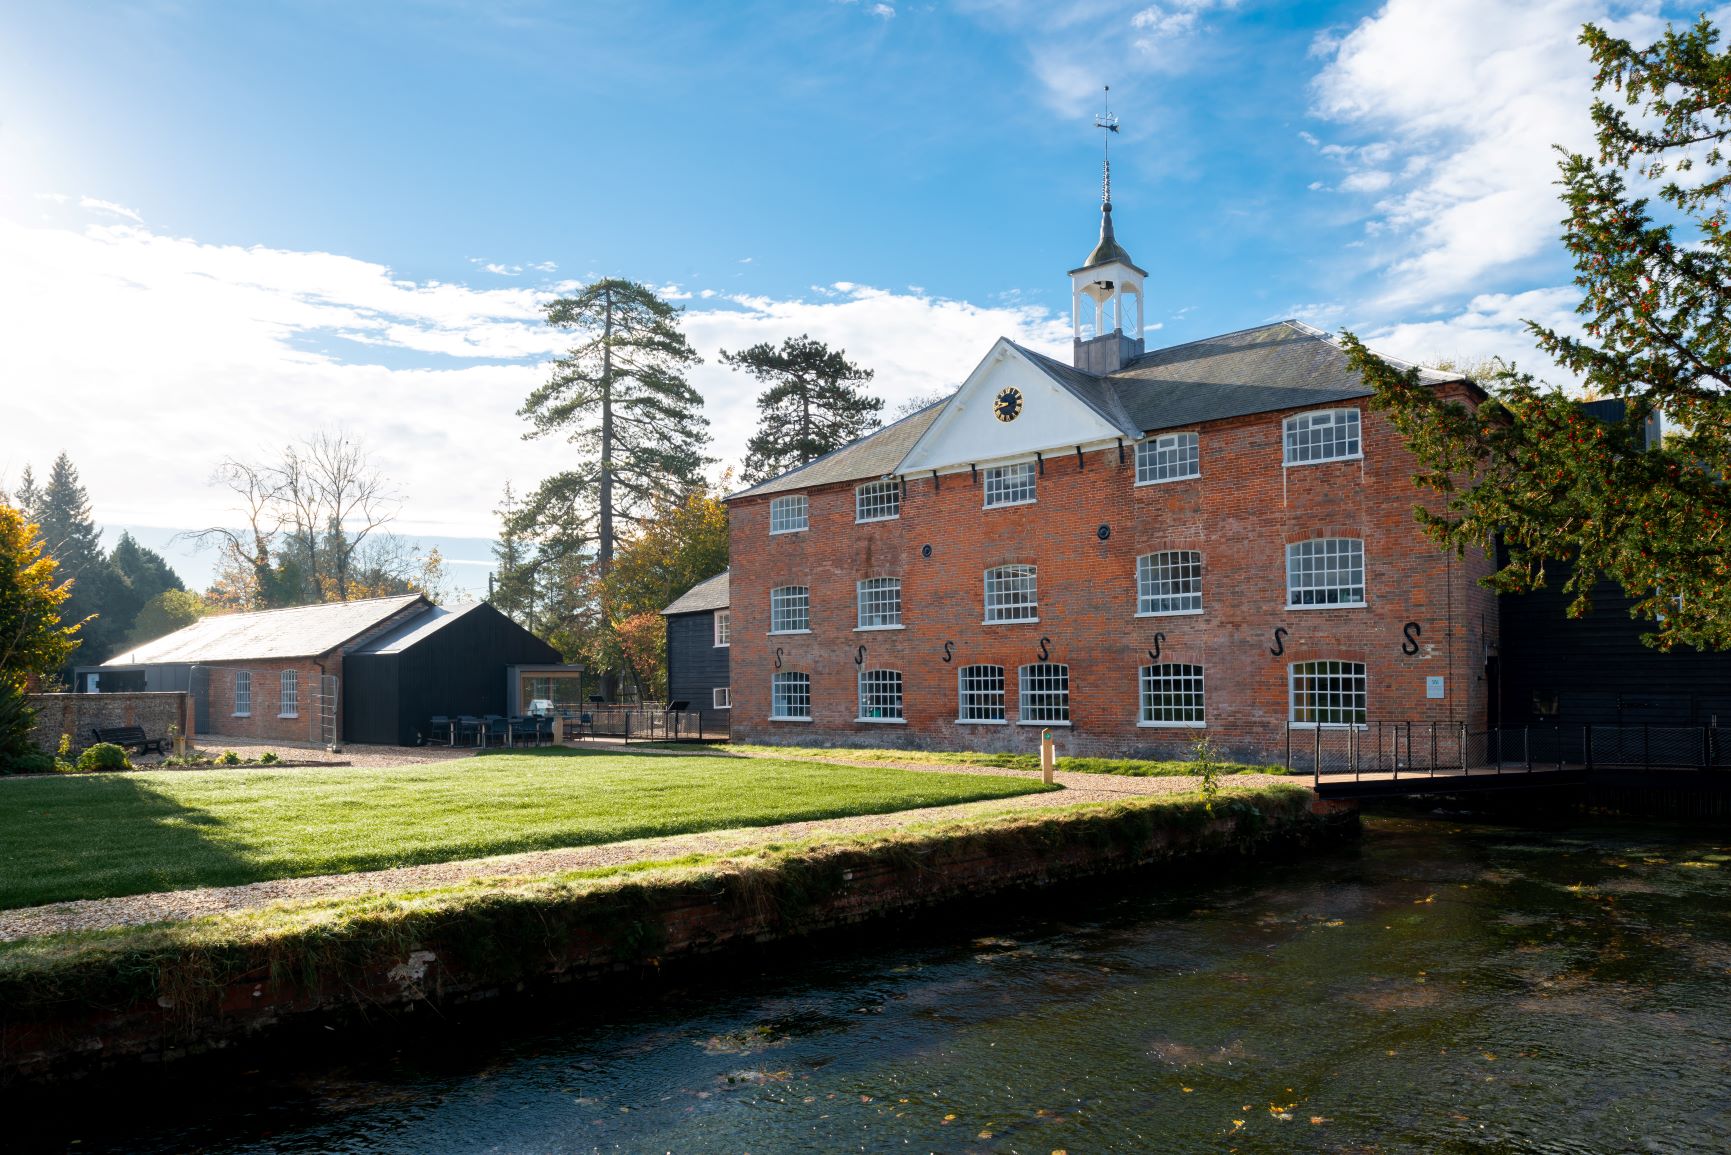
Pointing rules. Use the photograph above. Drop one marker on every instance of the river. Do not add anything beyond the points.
(1444, 986)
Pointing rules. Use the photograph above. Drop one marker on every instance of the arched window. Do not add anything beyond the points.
(790, 697)
(1171, 695)
(880, 696)
(1169, 582)
(1045, 695)
(1012, 594)
(1325, 571)
(980, 694)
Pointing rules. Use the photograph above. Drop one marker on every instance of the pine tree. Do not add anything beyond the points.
(620, 396)
(28, 496)
(137, 576)
(512, 591)
(69, 535)
(813, 404)
(1528, 466)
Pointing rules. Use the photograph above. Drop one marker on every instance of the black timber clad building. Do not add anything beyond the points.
(1595, 669)
(697, 651)
(456, 661)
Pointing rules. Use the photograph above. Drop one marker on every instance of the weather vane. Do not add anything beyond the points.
(1110, 123)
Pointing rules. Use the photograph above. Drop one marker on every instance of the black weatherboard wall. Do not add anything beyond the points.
(1596, 669)
(444, 662)
(696, 666)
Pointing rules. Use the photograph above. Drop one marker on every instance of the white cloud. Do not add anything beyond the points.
(1465, 99)
(149, 358)
(1490, 325)
(1073, 48)
(882, 11)
(107, 208)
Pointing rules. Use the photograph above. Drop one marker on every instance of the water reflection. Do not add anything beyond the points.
(1444, 989)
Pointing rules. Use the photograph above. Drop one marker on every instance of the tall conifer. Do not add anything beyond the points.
(813, 405)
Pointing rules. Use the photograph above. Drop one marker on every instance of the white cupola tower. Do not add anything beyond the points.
(1106, 292)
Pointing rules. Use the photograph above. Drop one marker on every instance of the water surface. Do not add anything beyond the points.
(1444, 987)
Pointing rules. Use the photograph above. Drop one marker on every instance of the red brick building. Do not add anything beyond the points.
(263, 675)
(1134, 549)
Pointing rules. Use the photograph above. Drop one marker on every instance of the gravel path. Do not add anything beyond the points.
(170, 906)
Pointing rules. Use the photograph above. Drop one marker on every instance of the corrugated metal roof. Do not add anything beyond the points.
(873, 455)
(296, 632)
(709, 594)
(415, 630)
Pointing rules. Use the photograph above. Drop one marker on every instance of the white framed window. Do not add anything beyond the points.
(1045, 695)
(1169, 582)
(1327, 693)
(790, 610)
(721, 697)
(877, 501)
(880, 603)
(880, 696)
(1169, 457)
(980, 694)
(1009, 484)
(723, 627)
(1171, 695)
(788, 514)
(243, 694)
(1325, 435)
(289, 704)
(790, 697)
(1012, 594)
(1325, 571)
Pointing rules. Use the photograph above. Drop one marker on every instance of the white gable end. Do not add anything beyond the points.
(969, 431)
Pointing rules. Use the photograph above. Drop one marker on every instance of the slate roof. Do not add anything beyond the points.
(416, 630)
(297, 632)
(874, 455)
(1283, 365)
(1286, 365)
(709, 594)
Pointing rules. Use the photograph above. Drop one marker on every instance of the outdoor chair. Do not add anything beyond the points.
(469, 730)
(576, 727)
(440, 731)
(495, 729)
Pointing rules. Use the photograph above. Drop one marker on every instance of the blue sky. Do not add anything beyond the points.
(225, 225)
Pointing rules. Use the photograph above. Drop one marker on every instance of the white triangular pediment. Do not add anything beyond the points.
(970, 431)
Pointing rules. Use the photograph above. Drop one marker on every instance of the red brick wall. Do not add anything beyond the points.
(1240, 514)
(266, 723)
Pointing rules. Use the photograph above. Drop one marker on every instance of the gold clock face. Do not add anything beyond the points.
(1008, 405)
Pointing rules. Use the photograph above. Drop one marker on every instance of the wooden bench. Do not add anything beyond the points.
(131, 736)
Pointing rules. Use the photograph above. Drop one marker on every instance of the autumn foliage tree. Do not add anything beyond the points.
(34, 642)
(683, 543)
(1529, 466)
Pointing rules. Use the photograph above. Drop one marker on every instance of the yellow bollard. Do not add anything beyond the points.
(1048, 757)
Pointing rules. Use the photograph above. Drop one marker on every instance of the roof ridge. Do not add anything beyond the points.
(860, 440)
(1234, 333)
(315, 606)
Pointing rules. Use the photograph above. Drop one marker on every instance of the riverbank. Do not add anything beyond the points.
(74, 1002)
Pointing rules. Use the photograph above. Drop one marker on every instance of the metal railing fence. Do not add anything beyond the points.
(1442, 749)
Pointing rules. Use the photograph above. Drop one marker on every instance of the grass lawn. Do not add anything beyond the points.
(97, 836)
(1132, 767)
